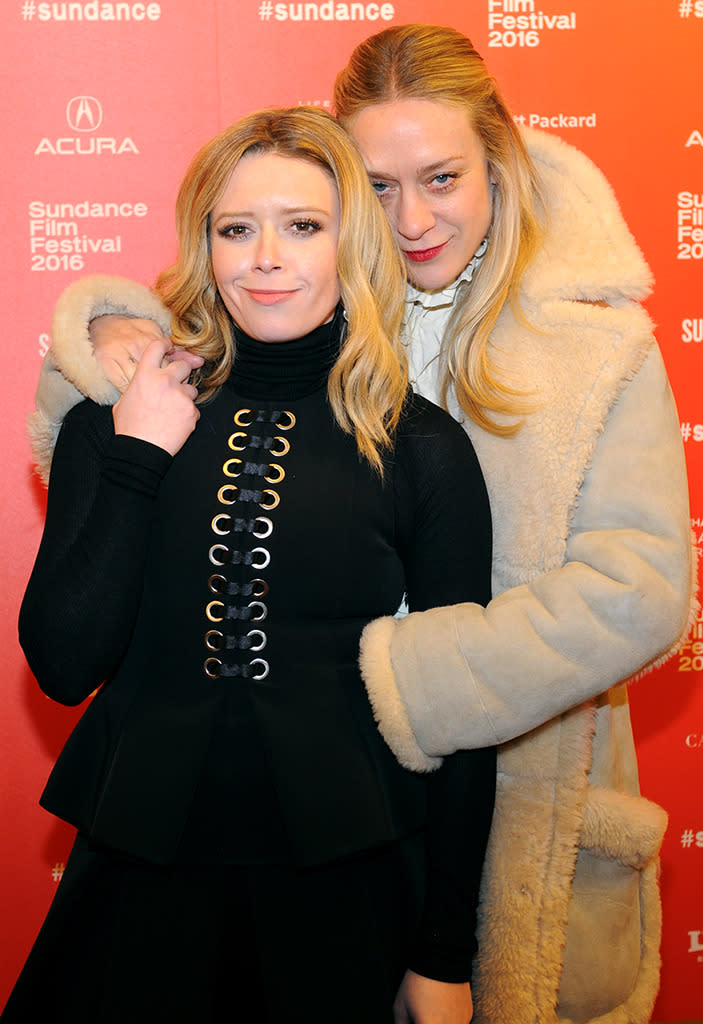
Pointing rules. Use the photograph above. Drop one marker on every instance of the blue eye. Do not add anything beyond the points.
(379, 187)
(445, 179)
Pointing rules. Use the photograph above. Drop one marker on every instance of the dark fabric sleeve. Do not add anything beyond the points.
(82, 598)
(444, 529)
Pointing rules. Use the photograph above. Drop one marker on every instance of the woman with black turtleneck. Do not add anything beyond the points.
(248, 846)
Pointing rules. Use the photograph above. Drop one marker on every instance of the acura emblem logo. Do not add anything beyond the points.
(84, 114)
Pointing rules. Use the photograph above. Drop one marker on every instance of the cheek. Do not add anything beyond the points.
(390, 211)
(222, 276)
(218, 263)
(323, 270)
(478, 208)
(226, 261)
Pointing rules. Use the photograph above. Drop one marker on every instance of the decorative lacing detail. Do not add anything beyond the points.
(237, 586)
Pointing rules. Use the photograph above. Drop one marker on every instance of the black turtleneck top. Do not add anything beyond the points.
(219, 596)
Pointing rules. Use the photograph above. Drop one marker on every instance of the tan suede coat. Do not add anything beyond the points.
(593, 581)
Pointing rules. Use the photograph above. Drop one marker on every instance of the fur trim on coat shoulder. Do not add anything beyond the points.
(589, 252)
(388, 708)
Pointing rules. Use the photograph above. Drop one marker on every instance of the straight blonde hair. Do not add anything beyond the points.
(368, 383)
(440, 64)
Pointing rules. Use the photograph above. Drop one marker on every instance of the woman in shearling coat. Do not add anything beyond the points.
(524, 316)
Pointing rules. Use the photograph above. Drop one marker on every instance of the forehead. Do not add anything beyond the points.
(414, 131)
(281, 179)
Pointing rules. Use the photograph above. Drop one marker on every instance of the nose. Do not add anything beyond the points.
(267, 256)
(415, 215)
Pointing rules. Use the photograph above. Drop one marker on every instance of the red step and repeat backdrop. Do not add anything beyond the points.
(105, 102)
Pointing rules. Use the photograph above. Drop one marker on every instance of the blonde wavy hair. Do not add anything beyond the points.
(368, 383)
(440, 64)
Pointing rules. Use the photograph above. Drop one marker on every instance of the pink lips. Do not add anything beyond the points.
(422, 255)
(269, 298)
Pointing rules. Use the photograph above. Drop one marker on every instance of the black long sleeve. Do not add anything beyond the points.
(83, 595)
(448, 560)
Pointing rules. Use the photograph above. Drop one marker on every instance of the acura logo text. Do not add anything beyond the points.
(84, 115)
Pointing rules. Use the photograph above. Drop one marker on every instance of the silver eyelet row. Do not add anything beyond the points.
(218, 611)
(255, 640)
(223, 524)
(257, 669)
(221, 555)
(218, 584)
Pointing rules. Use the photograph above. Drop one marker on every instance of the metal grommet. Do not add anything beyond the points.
(212, 667)
(224, 491)
(212, 554)
(227, 467)
(286, 424)
(263, 611)
(214, 640)
(210, 611)
(232, 441)
(215, 524)
(217, 584)
(260, 588)
(264, 671)
(277, 476)
(284, 449)
(240, 417)
(275, 499)
(266, 559)
(262, 642)
(267, 526)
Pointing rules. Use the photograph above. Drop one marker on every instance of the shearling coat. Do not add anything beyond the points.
(593, 581)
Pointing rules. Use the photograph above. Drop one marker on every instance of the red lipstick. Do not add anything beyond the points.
(422, 255)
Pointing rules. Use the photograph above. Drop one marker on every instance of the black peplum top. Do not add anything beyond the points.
(216, 599)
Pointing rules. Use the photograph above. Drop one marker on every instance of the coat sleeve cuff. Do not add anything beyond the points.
(70, 371)
(388, 708)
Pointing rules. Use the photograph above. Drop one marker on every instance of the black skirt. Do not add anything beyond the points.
(127, 942)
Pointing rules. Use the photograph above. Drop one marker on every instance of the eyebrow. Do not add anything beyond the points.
(427, 169)
(287, 211)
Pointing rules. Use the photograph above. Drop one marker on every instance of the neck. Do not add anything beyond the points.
(286, 369)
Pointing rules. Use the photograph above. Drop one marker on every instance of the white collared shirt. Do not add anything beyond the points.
(426, 317)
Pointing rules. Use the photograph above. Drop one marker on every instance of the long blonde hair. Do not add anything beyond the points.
(368, 383)
(440, 64)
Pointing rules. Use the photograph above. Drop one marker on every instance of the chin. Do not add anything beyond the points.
(428, 282)
(432, 277)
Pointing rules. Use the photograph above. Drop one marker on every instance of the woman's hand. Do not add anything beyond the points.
(119, 342)
(424, 1001)
(159, 403)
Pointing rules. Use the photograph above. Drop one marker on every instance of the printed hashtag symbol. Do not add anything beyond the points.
(685, 8)
(687, 838)
(266, 10)
(28, 11)
(57, 871)
(686, 431)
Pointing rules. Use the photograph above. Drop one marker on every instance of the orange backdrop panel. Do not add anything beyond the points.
(105, 103)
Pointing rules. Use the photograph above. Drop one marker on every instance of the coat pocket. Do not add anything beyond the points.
(611, 957)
